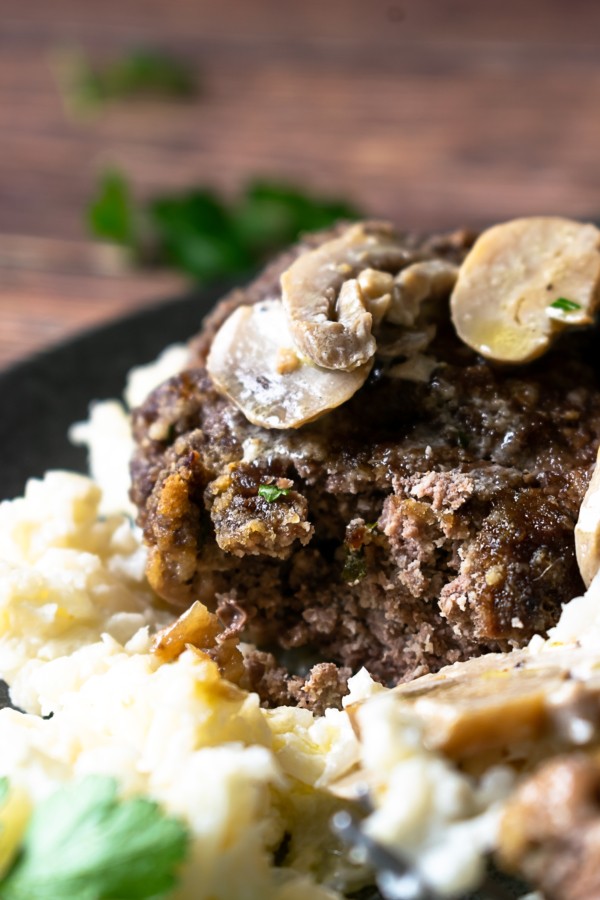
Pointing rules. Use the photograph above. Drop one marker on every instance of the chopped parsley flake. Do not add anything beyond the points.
(355, 567)
(85, 843)
(565, 305)
(271, 492)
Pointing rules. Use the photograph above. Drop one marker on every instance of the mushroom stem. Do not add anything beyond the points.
(327, 308)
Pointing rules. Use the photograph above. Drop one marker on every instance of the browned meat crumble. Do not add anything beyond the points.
(550, 831)
(423, 523)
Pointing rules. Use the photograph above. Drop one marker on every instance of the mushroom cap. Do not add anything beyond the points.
(254, 362)
(523, 282)
(328, 306)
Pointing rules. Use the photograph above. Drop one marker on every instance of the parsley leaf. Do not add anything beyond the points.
(111, 215)
(271, 214)
(141, 72)
(84, 843)
(565, 305)
(146, 71)
(271, 492)
(197, 235)
(355, 566)
(203, 235)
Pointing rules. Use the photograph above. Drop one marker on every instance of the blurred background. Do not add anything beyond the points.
(146, 144)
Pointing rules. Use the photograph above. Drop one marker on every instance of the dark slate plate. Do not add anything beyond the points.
(42, 397)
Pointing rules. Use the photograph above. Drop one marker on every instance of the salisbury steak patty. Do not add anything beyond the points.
(420, 523)
(550, 831)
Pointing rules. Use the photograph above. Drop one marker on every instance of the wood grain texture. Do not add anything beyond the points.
(430, 112)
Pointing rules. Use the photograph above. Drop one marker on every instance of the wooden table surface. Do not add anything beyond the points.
(431, 112)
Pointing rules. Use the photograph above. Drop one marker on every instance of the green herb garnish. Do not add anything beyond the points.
(565, 305)
(196, 233)
(270, 215)
(84, 843)
(271, 492)
(111, 214)
(355, 567)
(141, 72)
(203, 235)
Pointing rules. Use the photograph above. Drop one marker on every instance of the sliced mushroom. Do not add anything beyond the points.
(200, 630)
(250, 362)
(196, 626)
(587, 530)
(523, 282)
(328, 306)
(429, 279)
(376, 287)
(505, 704)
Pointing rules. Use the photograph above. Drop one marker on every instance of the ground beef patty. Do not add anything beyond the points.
(550, 831)
(423, 523)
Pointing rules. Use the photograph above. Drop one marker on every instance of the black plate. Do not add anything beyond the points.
(41, 397)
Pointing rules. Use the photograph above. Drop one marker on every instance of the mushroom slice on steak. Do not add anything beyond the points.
(499, 706)
(254, 362)
(523, 282)
(328, 303)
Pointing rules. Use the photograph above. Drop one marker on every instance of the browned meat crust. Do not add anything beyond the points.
(322, 688)
(550, 831)
(425, 523)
